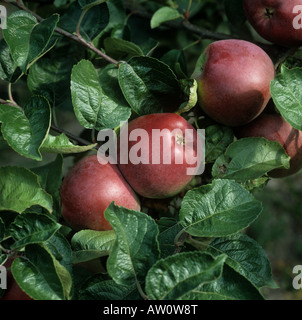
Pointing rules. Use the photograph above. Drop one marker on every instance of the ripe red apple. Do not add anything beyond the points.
(234, 87)
(273, 127)
(88, 189)
(157, 167)
(278, 21)
(13, 291)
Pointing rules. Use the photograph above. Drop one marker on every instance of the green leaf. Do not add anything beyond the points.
(218, 138)
(96, 103)
(94, 21)
(25, 131)
(287, 96)
(98, 288)
(149, 85)
(176, 276)
(135, 249)
(86, 93)
(164, 14)
(246, 164)
(90, 244)
(121, 49)
(30, 228)
(41, 276)
(229, 286)
(51, 79)
(218, 209)
(27, 39)
(190, 86)
(114, 108)
(9, 71)
(246, 257)
(19, 190)
(61, 144)
(17, 35)
(168, 229)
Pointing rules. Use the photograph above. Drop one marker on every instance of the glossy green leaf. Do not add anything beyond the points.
(287, 96)
(61, 144)
(246, 164)
(164, 14)
(41, 276)
(51, 78)
(19, 190)
(114, 108)
(90, 244)
(218, 209)
(25, 130)
(135, 249)
(218, 138)
(229, 286)
(246, 257)
(149, 85)
(9, 70)
(27, 39)
(93, 23)
(120, 48)
(98, 288)
(86, 93)
(176, 276)
(30, 228)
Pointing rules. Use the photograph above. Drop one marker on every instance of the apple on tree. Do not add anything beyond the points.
(273, 127)
(89, 188)
(162, 157)
(278, 21)
(234, 86)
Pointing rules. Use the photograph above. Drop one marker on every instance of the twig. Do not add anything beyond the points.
(65, 33)
(70, 135)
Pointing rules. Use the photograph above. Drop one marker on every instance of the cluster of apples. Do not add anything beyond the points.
(233, 89)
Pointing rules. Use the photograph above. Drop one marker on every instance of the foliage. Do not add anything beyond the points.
(103, 62)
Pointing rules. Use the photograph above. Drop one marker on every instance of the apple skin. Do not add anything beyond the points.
(89, 188)
(273, 20)
(274, 128)
(234, 86)
(162, 180)
(13, 291)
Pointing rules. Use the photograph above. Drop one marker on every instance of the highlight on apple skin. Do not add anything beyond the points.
(274, 127)
(89, 188)
(234, 86)
(277, 21)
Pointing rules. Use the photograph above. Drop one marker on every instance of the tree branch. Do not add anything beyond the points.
(65, 33)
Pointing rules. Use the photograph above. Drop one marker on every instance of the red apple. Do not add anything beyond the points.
(273, 127)
(88, 189)
(234, 87)
(278, 21)
(159, 168)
